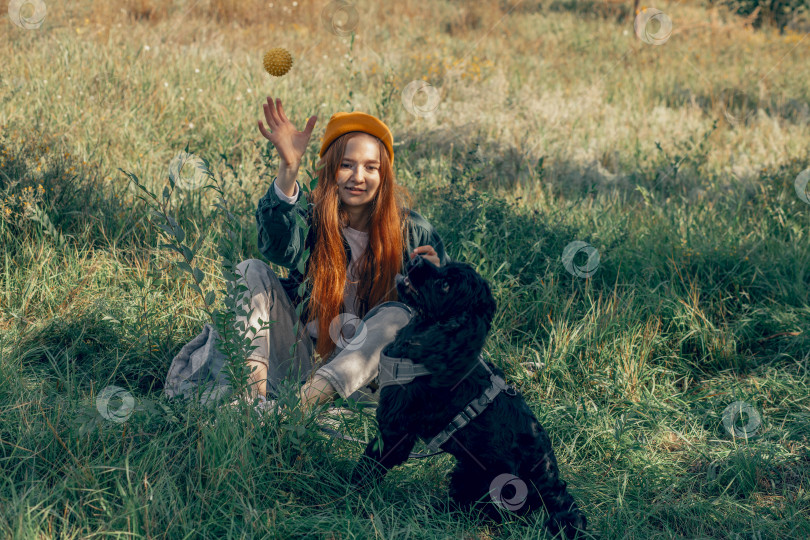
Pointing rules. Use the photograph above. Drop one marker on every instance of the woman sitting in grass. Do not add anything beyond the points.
(361, 236)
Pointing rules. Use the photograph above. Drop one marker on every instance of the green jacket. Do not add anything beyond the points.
(281, 239)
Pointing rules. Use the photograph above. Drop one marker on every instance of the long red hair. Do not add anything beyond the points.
(380, 262)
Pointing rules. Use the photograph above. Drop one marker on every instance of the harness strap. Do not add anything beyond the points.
(403, 370)
(398, 370)
(472, 409)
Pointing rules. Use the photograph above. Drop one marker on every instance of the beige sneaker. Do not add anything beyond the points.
(264, 406)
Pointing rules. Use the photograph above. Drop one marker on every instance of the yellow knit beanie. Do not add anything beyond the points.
(342, 122)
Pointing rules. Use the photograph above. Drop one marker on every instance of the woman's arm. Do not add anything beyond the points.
(281, 237)
(423, 235)
(285, 180)
(316, 391)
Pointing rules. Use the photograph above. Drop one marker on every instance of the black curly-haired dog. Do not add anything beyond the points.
(504, 454)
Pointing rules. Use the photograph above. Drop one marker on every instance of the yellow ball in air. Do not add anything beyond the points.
(277, 61)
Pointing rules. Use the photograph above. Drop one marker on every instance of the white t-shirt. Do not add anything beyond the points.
(358, 242)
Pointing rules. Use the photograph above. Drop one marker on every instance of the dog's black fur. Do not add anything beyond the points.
(454, 310)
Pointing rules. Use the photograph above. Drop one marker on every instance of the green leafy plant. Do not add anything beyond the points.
(235, 336)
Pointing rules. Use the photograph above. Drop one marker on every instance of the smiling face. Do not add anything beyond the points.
(360, 168)
(439, 294)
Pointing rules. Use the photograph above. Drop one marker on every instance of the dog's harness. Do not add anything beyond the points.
(404, 370)
(398, 370)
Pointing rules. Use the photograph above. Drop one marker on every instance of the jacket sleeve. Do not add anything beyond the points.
(433, 239)
(281, 238)
(422, 233)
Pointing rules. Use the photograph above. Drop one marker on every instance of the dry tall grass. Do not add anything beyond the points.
(701, 297)
(516, 82)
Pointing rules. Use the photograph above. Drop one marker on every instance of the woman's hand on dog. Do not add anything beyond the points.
(428, 253)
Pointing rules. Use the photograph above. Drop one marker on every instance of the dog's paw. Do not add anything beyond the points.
(571, 522)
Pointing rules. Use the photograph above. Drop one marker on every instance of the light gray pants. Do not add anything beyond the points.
(288, 354)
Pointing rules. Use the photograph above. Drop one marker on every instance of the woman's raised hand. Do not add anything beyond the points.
(289, 142)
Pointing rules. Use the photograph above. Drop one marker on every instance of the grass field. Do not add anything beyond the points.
(554, 123)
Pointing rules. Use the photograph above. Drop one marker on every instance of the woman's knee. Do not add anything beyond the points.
(390, 315)
(255, 273)
(250, 266)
